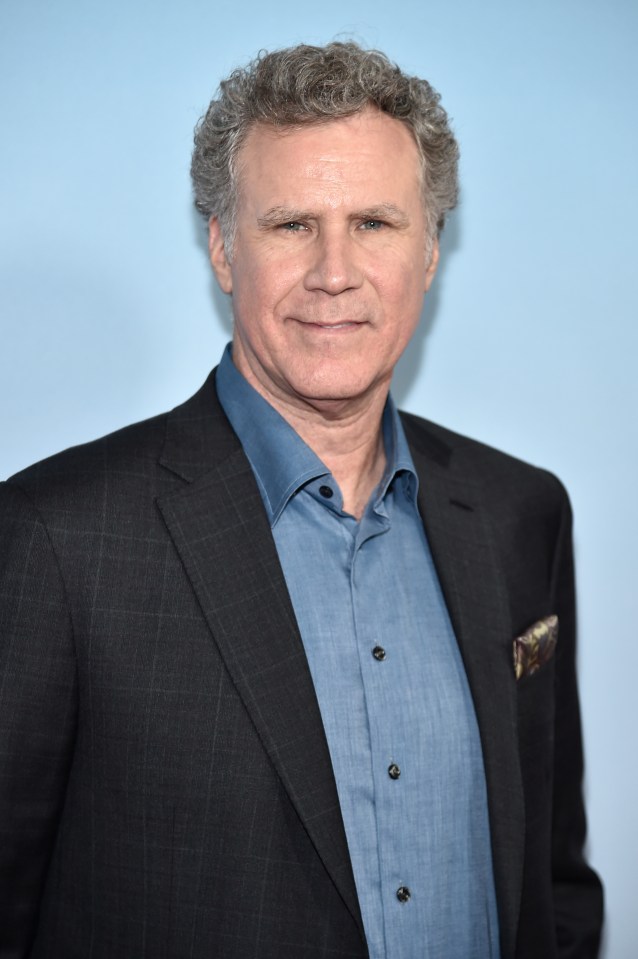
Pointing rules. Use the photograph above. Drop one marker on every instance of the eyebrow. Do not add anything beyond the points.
(384, 211)
(282, 214)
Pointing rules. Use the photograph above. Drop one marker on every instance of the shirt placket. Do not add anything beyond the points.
(376, 642)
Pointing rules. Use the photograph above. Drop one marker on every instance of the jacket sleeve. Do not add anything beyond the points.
(38, 680)
(577, 892)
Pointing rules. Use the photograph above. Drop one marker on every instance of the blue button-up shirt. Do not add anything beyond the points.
(391, 687)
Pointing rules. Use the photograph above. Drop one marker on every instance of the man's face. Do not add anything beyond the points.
(330, 261)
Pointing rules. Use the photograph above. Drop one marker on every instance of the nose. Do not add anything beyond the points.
(334, 264)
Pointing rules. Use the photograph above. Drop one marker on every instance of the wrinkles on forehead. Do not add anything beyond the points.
(287, 129)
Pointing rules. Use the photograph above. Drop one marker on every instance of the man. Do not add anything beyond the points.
(286, 674)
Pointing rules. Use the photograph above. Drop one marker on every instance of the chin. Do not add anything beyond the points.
(336, 389)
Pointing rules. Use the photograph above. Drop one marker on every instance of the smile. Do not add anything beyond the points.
(333, 327)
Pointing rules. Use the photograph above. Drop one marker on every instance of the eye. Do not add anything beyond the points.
(372, 225)
(293, 227)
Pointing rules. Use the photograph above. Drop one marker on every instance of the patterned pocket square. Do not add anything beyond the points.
(535, 647)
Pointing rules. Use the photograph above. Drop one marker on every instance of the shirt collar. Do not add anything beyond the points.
(281, 461)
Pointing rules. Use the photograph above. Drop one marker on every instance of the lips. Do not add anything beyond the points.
(331, 324)
(336, 326)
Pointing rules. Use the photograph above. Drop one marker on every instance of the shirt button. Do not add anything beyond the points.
(326, 492)
(403, 894)
(393, 771)
(379, 653)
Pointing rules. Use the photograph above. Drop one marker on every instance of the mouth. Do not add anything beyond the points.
(332, 327)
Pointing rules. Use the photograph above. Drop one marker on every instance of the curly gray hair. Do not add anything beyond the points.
(306, 84)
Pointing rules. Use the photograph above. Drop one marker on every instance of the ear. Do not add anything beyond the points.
(434, 262)
(219, 260)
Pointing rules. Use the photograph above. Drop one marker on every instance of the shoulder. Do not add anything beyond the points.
(83, 472)
(129, 468)
(521, 509)
(126, 466)
(499, 476)
(80, 503)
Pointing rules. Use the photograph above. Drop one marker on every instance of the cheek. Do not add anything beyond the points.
(265, 284)
(401, 291)
(395, 270)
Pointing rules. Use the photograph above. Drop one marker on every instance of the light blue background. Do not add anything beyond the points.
(529, 339)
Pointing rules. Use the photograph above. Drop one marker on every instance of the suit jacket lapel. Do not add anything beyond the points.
(462, 543)
(222, 534)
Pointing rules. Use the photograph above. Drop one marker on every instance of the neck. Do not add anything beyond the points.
(346, 434)
(351, 446)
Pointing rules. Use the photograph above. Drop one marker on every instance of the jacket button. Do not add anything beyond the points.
(379, 653)
(403, 893)
(326, 492)
(393, 771)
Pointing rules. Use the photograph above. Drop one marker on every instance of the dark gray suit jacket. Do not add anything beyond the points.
(165, 784)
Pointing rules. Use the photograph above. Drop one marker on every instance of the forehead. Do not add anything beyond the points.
(369, 148)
